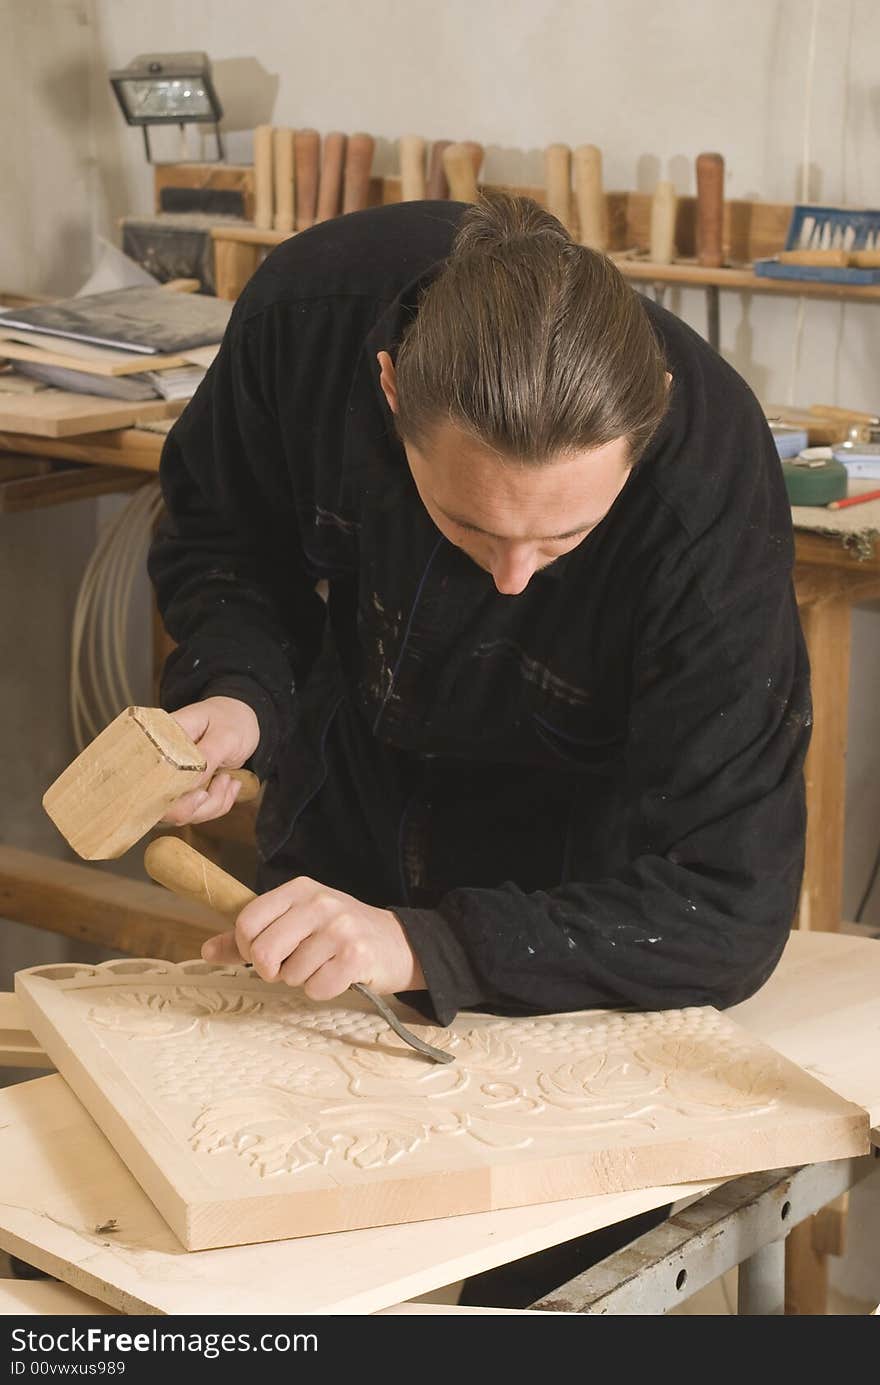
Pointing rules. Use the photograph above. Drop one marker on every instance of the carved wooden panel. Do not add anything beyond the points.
(249, 1113)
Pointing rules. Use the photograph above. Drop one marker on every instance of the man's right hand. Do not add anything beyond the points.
(227, 733)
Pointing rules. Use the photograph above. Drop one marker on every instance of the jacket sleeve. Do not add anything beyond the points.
(703, 891)
(226, 563)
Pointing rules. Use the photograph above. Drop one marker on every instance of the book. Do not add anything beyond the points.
(149, 321)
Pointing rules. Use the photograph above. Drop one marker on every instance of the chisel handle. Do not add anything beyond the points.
(458, 163)
(412, 168)
(590, 197)
(438, 185)
(710, 210)
(263, 138)
(283, 160)
(330, 185)
(308, 150)
(557, 180)
(358, 166)
(663, 210)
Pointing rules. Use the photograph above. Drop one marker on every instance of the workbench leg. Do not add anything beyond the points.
(806, 1273)
(827, 629)
(234, 263)
(761, 1282)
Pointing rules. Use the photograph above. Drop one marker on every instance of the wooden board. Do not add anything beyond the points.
(62, 484)
(60, 413)
(249, 1113)
(18, 1047)
(48, 1298)
(92, 360)
(62, 1182)
(95, 906)
(821, 1008)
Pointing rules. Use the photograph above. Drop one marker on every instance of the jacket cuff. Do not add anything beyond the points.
(452, 983)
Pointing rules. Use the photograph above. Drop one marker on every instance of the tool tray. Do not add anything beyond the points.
(827, 228)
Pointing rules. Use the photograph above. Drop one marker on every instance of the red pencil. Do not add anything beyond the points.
(853, 500)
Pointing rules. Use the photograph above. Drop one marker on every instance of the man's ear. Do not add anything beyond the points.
(388, 379)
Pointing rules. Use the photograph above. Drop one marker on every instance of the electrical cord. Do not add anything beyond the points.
(100, 686)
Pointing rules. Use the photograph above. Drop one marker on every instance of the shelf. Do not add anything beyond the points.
(689, 274)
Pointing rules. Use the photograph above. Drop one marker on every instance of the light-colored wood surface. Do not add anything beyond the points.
(60, 413)
(458, 164)
(61, 1179)
(412, 168)
(98, 907)
(121, 784)
(234, 263)
(221, 177)
(592, 208)
(330, 180)
(663, 211)
(263, 177)
(98, 361)
(18, 1047)
(283, 163)
(249, 1112)
(48, 1298)
(135, 449)
(308, 159)
(557, 176)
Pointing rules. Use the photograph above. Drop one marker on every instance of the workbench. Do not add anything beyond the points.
(821, 1008)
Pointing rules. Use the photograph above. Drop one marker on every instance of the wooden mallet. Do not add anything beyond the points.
(125, 780)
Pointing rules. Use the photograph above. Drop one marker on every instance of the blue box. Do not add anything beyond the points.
(861, 226)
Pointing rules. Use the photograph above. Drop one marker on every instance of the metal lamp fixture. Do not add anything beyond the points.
(168, 89)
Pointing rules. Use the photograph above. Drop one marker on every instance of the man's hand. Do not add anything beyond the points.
(308, 935)
(227, 733)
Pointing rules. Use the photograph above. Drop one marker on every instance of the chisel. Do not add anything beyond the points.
(412, 168)
(358, 165)
(438, 186)
(308, 149)
(461, 166)
(170, 862)
(330, 184)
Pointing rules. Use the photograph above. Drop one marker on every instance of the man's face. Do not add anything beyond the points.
(512, 520)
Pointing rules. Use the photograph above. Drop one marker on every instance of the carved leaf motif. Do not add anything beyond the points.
(477, 1051)
(275, 1133)
(159, 1015)
(699, 1075)
(602, 1079)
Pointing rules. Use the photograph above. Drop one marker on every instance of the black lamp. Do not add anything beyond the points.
(168, 89)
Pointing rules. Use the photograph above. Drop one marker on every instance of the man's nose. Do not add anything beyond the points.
(513, 569)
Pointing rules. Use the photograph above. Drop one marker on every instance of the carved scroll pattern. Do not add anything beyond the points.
(285, 1085)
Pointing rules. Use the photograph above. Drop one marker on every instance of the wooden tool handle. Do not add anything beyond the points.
(283, 164)
(263, 177)
(710, 209)
(458, 163)
(865, 259)
(412, 168)
(438, 184)
(250, 784)
(663, 209)
(358, 166)
(844, 415)
(308, 149)
(837, 259)
(590, 197)
(170, 862)
(557, 180)
(330, 185)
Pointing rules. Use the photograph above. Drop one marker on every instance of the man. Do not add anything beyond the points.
(540, 748)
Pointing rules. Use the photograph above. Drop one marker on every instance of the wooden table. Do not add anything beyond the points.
(821, 1008)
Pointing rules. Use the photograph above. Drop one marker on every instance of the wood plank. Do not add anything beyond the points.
(220, 177)
(14, 468)
(109, 363)
(821, 1008)
(62, 1180)
(314, 1119)
(234, 263)
(831, 551)
(97, 907)
(744, 280)
(64, 484)
(18, 1047)
(60, 413)
(827, 630)
(129, 447)
(46, 1298)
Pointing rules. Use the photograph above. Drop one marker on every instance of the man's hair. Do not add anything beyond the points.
(533, 345)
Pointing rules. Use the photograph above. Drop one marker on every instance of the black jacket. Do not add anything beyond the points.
(586, 795)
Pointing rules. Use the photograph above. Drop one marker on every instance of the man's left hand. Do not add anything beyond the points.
(305, 934)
